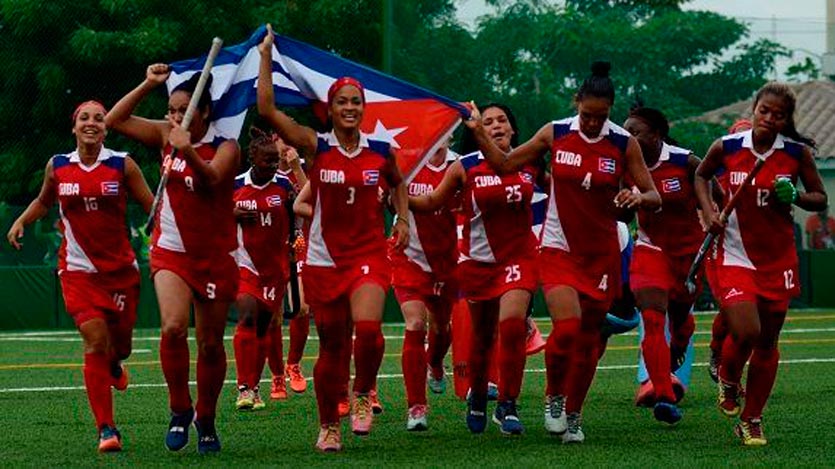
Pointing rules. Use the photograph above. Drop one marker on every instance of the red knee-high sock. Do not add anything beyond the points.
(657, 354)
(413, 361)
(174, 358)
(97, 381)
(211, 371)
(245, 346)
(369, 346)
(558, 350)
(275, 353)
(512, 335)
(328, 372)
(481, 351)
(299, 330)
(762, 372)
(345, 361)
(734, 356)
(439, 338)
(719, 330)
(583, 368)
(680, 336)
(264, 343)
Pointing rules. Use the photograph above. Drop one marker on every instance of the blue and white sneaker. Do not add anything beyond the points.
(476, 414)
(667, 412)
(492, 391)
(556, 421)
(574, 432)
(177, 437)
(207, 439)
(507, 417)
(436, 385)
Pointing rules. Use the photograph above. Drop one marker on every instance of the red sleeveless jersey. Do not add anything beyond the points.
(92, 201)
(585, 177)
(496, 213)
(194, 218)
(263, 247)
(348, 225)
(674, 228)
(760, 230)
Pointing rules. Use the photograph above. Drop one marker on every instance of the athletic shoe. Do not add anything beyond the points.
(574, 431)
(507, 417)
(436, 385)
(177, 437)
(330, 438)
(534, 343)
(713, 366)
(728, 399)
(416, 421)
(245, 399)
(677, 357)
(297, 382)
(492, 391)
(110, 441)
(678, 388)
(257, 402)
(362, 416)
(344, 406)
(666, 412)
(645, 397)
(376, 406)
(751, 432)
(555, 419)
(120, 383)
(476, 414)
(207, 440)
(278, 389)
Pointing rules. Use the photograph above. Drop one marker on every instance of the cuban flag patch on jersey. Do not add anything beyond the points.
(606, 165)
(526, 177)
(370, 177)
(274, 201)
(670, 185)
(110, 188)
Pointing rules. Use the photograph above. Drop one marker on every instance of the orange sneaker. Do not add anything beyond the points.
(278, 390)
(362, 415)
(376, 406)
(297, 382)
(121, 383)
(645, 397)
(534, 343)
(344, 406)
(330, 438)
(110, 441)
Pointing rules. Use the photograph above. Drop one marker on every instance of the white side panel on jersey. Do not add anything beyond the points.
(317, 251)
(414, 251)
(77, 260)
(552, 233)
(169, 234)
(480, 249)
(735, 254)
(241, 255)
(643, 240)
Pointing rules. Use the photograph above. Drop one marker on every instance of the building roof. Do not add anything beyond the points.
(815, 114)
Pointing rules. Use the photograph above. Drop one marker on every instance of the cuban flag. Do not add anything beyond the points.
(606, 165)
(670, 185)
(414, 121)
(110, 188)
(370, 177)
(274, 201)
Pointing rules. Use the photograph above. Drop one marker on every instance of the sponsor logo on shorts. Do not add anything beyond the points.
(733, 293)
(606, 165)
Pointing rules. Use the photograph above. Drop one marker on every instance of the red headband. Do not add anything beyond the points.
(345, 81)
(92, 101)
(740, 126)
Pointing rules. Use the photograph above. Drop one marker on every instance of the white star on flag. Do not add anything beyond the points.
(386, 135)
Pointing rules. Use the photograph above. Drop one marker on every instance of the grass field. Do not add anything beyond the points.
(45, 419)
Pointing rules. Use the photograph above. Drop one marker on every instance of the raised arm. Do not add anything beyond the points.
(518, 157)
(453, 180)
(292, 157)
(37, 209)
(299, 136)
(303, 205)
(137, 187)
(152, 133)
(647, 196)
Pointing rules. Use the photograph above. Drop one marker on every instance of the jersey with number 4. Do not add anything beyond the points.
(263, 240)
(92, 203)
(760, 230)
(496, 211)
(348, 225)
(585, 178)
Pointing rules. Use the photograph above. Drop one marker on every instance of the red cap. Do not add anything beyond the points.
(345, 81)
(92, 101)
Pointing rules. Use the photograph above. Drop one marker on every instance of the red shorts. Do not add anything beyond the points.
(112, 296)
(739, 284)
(597, 278)
(481, 281)
(412, 283)
(211, 279)
(711, 275)
(269, 292)
(323, 285)
(651, 268)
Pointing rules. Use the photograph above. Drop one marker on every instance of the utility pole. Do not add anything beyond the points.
(828, 61)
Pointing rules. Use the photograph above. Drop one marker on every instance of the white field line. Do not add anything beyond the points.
(380, 376)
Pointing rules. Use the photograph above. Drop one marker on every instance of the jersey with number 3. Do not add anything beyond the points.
(263, 241)
(348, 225)
(92, 204)
(760, 230)
(585, 178)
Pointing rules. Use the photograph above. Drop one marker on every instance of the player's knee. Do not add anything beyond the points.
(414, 323)
(210, 348)
(748, 336)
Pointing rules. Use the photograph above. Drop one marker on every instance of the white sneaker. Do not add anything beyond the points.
(574, 432)
(417, 419)
(555, 419)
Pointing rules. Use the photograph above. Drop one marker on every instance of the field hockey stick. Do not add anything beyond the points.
(192, 106)
(690, 283)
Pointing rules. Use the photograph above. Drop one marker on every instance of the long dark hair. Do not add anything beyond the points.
(468, 143)
(783, 91)
(654, 118)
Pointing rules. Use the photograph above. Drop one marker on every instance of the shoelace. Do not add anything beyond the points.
(362, 406)
(555, 406)
(753, 428)
(574, 423)
(417, 410)
(331, 435)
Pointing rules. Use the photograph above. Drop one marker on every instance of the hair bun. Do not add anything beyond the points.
(601, 69)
